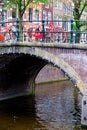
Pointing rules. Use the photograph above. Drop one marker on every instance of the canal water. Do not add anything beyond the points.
(56, 106)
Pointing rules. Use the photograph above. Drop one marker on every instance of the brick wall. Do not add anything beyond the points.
(49, 73)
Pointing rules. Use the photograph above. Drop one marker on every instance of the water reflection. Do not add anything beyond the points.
(59, 105)
(19, 114)
(54, 107)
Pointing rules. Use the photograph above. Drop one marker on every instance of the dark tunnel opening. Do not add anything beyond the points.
(23, 67)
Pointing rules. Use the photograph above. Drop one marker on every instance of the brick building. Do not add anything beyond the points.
(58, 10)
(63, 10)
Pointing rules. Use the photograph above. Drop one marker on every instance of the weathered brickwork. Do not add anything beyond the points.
(68, 59)
(49, 73)
(75, 57)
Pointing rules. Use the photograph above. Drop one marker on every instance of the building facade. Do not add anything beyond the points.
(58, 11)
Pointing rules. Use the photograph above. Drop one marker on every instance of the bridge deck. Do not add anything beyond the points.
(39, 44)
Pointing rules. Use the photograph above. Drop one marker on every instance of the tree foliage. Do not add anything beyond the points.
(80, 16)
(80, 7)
(21, 5)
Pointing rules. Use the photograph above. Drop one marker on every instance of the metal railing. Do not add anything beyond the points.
(43, 31)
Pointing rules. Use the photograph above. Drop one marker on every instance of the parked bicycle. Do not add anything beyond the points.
(52, 33)
(8, 33)
(55, 33)
(5, 33)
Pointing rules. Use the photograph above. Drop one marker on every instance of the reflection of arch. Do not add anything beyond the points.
(49, 58)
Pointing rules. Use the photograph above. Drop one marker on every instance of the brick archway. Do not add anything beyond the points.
(50, 58)
(65, 67)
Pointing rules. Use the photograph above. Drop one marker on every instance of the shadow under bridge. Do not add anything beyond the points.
(26, 63)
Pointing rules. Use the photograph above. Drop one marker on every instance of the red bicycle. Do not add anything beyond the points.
(7, 34)
(52, 33)
(55, 33)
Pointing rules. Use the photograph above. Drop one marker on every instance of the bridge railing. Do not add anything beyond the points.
(62, 31)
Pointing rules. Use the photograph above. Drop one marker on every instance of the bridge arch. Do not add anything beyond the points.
(48, 58)
(61, 64)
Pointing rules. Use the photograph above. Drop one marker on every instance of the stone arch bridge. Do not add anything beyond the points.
(20, 64)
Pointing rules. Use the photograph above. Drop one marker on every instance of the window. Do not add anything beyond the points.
(56, 18)
(46, 6)
(49, 15)
(14, 13)
(60, 4)
(72, 11)
(69, 25)
(51, 3)
(30, 14)
(4, 16)
(37, 15)
(65, 26)
(60, 22)
(24, 16)
(69, 11)
(0, 8)
(56, 4)
(64, 9)
(44, 15)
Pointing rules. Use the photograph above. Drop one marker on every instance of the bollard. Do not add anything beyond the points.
(76, 37)
(84, 110)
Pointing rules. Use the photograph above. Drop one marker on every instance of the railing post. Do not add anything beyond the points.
(76, 37)
(43, 30)
(71, 37)
(18, 30)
